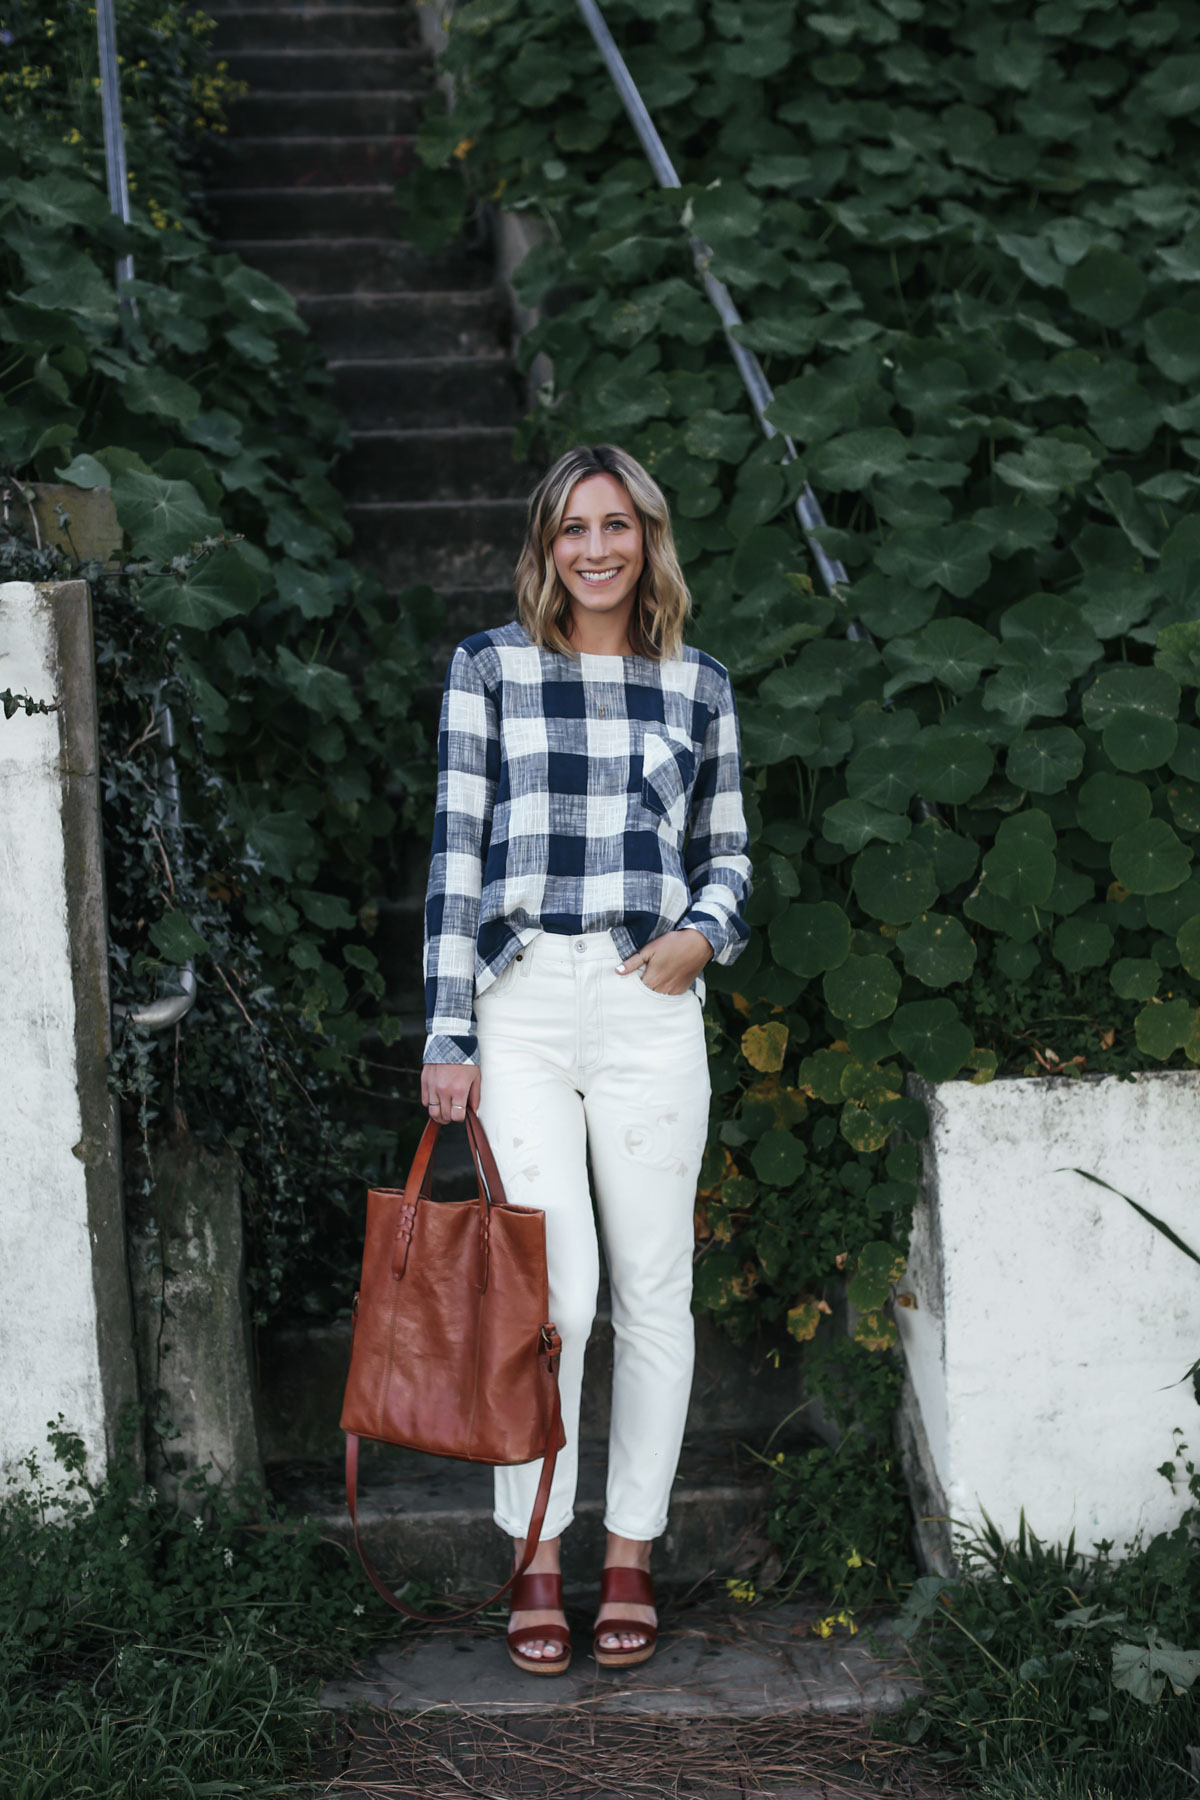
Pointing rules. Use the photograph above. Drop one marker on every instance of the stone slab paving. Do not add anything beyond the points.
(712, 1663)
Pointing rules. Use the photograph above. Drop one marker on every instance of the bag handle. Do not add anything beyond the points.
(552, 1346)
(490, 1189)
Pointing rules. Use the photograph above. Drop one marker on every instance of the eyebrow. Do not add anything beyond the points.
(578, 519)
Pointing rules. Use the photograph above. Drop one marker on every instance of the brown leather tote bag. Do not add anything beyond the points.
(453, 1350)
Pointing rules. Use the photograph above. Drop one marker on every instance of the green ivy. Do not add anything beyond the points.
(967, 251)
(199, 405)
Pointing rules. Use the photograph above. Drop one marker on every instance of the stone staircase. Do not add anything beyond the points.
(420, 351)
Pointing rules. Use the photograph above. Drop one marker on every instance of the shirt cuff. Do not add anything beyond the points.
(707, 929)
(441, 1049)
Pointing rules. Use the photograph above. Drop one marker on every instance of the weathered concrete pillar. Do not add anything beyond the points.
(1053, 1323)
(192, 1324)
(66, 1335)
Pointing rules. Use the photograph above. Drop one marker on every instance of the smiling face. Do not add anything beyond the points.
(598, 548)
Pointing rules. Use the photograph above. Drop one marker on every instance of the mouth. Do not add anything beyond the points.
(597, 577)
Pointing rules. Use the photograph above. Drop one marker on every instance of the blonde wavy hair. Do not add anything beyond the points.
(662, 602)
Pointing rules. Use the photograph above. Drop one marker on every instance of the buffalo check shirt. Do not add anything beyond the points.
(576, 794)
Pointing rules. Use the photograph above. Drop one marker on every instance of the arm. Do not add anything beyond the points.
(468, 767)
(718, 868)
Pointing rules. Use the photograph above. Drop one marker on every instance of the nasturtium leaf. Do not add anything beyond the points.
(937, 949)
(778, 1158)
(1045, 466)
(954, 557)
(153, 390)
(175, 939)
(1019, 871)
(719, 437)
(1056, 627)
(863, 1127)
(890, 607)
(1135, 977)
(216, 588)
(821, 1074)
(1138, 740)
(895, 882)
(1173, 343)
(876, 1332)
(1124, 685)
(955, 651)
(62, 201)
(855, 823)
(1025, 526)
(1187, 942)
(323, 690)
(163, 518)
(954, 858)
(1167, 912)
(882, 775)
(771, 733)
(1082, 944)
(1183, 797)
(1172, 88)
(327, 911)
(878, 1266)
(763, 1046)
(1023, 694)
(1016, 960)
(802, 1319)
(1185, 758)
(863, 990)
(809, 939)
(255, 298)
(1150, 859)
(1107, 286)
(1030, 822)
(1114, 601)
(1177, 650)
(932, 1036)
(1164, 1026)
(951, 766)
(283, 841)
(1045, 761)
(814, 407)
(834, 739)
(852, 461)
(84, 472)
(1109, 805)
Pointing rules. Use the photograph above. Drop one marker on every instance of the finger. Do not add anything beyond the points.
(633, 962)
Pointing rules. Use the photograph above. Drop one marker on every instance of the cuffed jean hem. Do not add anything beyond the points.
(550, 1529)
(638, 1535)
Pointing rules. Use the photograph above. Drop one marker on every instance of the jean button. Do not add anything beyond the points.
(579, 947)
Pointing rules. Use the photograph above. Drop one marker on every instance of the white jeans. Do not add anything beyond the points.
(576, 1059)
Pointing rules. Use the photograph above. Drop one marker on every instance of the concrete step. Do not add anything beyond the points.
(314, 28)
(328, 70)
(402, 393)
(439, 324)
(302, 1370)
(441, 542)
(312, 162)
(340, 265)
(425, 1518)
(265, 213)
(381, 113)
(463, 462)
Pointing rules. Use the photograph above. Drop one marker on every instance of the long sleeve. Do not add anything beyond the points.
(468, 766)
(715, 859)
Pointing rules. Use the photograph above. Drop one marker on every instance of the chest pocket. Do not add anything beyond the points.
(668, 771)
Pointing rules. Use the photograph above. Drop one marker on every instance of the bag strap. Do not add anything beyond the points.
(537, 1519)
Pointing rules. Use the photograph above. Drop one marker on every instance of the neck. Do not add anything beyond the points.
(600, 635)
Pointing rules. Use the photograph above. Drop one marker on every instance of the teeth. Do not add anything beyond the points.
(596, 576)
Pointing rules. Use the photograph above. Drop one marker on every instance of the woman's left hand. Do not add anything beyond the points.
(672, 962)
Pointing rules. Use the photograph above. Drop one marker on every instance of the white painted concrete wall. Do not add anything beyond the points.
(49, 1354)
(1053, 1323)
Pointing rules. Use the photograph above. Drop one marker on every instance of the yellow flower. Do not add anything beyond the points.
(743, 1592)
(854, 1560)
(847, 1618)
(824, 1627)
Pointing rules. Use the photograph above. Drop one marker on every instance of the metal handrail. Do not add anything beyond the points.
(161, 1014)
(808, 509)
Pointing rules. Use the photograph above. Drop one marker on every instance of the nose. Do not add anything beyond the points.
(596, 544)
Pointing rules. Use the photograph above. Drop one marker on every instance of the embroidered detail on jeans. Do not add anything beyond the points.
(657, 1143)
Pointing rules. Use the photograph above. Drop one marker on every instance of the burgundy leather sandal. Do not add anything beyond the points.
(539, 1593)
(626, 1587)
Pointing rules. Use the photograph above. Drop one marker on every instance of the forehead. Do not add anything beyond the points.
(597, 496)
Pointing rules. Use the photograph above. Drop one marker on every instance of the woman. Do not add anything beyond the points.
(589, 857)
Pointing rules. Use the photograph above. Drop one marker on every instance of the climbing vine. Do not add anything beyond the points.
(967, 251)
(193, 409)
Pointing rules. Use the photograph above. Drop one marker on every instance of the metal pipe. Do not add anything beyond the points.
(159, 1015)
(114, 136)
(808, 508)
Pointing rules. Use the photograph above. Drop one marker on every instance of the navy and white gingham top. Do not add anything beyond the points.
(597, 793)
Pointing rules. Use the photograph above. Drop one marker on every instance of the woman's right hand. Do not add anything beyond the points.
(448, 1089)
